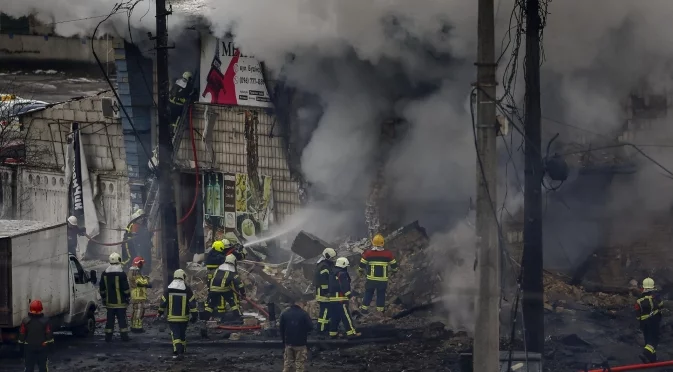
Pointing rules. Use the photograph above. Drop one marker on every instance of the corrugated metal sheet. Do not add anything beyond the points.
(229, 148)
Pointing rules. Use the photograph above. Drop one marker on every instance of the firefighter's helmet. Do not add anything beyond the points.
(329, 253)
(342, 262)
(180, 274)
(35, 307)
(187, 75)
(648, 283)
(115, 258)
(138, 262)
(378, 241)
(72, 220)
(218, 245)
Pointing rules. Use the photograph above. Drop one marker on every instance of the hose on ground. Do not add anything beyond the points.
(635, 367)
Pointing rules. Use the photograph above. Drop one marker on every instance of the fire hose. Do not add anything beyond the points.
(196, 188)
(634, 367)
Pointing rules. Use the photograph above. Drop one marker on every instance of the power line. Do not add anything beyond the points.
(116, 9)
(67, 21)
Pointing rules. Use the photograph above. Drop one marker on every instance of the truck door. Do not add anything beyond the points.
(79, 289)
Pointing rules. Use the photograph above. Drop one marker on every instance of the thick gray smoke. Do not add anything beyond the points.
(364, 61)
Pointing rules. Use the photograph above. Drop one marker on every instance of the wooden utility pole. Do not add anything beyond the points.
(486, 351)
(531, 264)
(169, 241)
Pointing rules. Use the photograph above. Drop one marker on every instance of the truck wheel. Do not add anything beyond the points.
(87, 329)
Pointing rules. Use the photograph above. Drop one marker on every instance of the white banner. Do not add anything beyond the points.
(229, 77)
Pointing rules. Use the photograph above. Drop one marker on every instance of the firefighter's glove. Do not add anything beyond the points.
(160, 314)
(195, 317)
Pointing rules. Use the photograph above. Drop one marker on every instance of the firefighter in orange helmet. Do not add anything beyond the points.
(35, 338)
(138, 284)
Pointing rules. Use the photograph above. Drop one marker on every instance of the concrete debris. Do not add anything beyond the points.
(307, 245)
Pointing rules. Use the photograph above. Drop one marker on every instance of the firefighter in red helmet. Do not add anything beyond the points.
(35, 338)
(138, 284)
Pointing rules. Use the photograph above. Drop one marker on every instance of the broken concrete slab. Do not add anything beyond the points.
(308, 245)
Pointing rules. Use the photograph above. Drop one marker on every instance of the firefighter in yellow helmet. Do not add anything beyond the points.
(340, 294)
(324, 268)
(226, 284)
(179, 304)
(377, 263)
(214, 259)
(648, 310)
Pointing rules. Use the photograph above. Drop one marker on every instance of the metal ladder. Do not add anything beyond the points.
(152, 201)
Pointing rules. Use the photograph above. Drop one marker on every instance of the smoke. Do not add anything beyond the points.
(360, 62)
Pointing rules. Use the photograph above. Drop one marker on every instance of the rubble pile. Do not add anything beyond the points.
(557, 294)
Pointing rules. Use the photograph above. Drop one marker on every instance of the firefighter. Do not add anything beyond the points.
(321, 283)
(138, 284)
(179, 94)
(35, 338)
(139, 240)
(237, 249)
(340, 294)
(648, 309)
(74, 231)
(179, 303)
(226, 284)
(377, 263)
(214, 259)
(115, 294)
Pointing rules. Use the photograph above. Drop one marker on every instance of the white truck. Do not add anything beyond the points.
(35, 264)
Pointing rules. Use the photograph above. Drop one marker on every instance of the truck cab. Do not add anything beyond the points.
(83, 299)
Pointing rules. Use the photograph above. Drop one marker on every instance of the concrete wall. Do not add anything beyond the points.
(15, 48)
(42, 187)
(229, 147)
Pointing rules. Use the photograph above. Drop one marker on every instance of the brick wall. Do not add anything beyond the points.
(229, 146)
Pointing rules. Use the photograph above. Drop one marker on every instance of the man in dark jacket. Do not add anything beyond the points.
(323, 270)
(35, 338)
(295, 325)
(115, 293)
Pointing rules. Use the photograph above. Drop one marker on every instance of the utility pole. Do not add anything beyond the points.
(531, 264)
(169, 219)
(486, 350)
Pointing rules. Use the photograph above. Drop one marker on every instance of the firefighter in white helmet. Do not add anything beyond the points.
(648, 310)
(115, 294)
(74, 231)
(179, 304)
(340, 294)
(227, 284)
(323, 270)
(138, 241)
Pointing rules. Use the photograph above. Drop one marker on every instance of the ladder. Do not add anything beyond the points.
(151, 206)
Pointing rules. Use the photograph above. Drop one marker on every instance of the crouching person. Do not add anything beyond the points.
(295, 325)
(178, 302)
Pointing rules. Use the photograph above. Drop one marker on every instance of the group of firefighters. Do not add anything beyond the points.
(333, 291)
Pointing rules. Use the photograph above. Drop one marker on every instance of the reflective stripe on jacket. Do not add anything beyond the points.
(178, 302)
(321, 280)
(114, 287)
(138, 284)
(225, 281)
(339, 286)
(648, 305)
(378, 264)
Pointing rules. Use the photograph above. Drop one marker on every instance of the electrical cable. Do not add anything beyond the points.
(115, 10)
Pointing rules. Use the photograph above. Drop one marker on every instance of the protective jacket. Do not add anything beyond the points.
(139, 244)
(227, 279)
(648, 305)
(339, 285)
(180, 91)
(321, 279)
(378, 264)
(213, 260)
(138, 284)
(178, 302)
(114, 288)
(35, 331)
